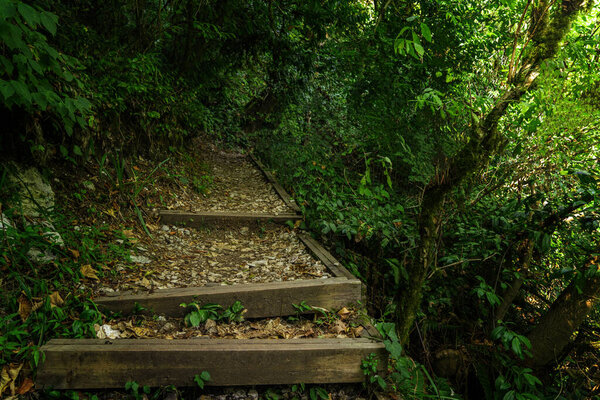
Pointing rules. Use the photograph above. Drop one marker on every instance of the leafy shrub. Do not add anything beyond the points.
(35, 76)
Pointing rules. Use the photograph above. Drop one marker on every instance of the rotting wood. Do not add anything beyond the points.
(261, 300)
(199, 219)
(287, 199)
(98, 363)
(326, 258)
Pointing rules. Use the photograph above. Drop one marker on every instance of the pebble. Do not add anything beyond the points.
(141, 259)
(168, 327)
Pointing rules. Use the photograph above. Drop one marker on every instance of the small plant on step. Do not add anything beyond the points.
(199, 314)
(324, 316)
(202, 379)
(134, 388)
(314, 393)
(300, 309)
(234, 313)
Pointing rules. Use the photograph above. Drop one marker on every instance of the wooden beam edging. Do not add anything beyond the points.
(262, 300)
(199, 219)
(326, 258)
(287, 199)
(100, 363)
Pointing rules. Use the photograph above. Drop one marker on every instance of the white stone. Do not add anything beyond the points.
(141, 259)
(35, 193)
(35, 255)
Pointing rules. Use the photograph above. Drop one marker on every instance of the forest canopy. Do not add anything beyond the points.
(447, 152)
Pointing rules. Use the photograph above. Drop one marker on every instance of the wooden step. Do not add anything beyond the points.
(261, 300)
(287, 199)
(98, 363)
(200, 219)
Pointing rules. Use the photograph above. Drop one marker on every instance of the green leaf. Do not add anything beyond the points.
(31, 16)
(394, 348)
(516, 346)
(36, 357)
(195, 319)
(77, 150)
(22, 91)
(419, 49)
(205, 376)
(199, 381)
(425, 32)
(6, 89)
(7, 9)
(63, 151)
(49, 21)
(8, 67)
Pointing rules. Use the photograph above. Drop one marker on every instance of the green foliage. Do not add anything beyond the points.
(198, 314)
(518, 344)
(360, 108)
(33, 70)
(202, 379)
(134, 388)
(407, 377)
(314, 392)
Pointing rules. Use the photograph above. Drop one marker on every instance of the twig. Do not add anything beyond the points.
(514, 50)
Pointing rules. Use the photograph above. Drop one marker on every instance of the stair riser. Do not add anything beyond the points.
(230, 362)
(261, 300)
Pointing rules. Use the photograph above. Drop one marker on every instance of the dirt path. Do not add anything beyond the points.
(181, 257)
(234, 184)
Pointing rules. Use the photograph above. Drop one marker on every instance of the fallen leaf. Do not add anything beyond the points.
(110, 212)
(344, 313)
(26, 386)
(357, 331)
(339, 327)
(56, 300)
(8, 376)
(89, 272)
(128, 233)
(4, 379)
(146, 283)
(140, 331)
(75, 253)
(151, 227)
(25, 307)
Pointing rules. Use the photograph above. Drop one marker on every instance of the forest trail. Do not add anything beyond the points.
(237, 259)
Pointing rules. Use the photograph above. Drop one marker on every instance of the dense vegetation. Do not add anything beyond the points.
(447, 150)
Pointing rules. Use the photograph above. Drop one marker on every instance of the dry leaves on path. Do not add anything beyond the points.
(89, 272)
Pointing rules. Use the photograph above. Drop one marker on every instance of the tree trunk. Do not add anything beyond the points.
(407, 302)
(525, 256)
(554, 331)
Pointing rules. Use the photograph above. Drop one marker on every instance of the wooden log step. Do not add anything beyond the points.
(261, 300)
(325, 257)
(99, 363)
(287, 199)
(199, 219)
